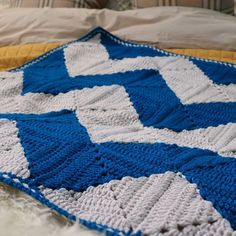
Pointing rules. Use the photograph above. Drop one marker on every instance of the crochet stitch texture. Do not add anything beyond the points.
(125, 138)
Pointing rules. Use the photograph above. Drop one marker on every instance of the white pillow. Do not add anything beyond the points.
(166, 27)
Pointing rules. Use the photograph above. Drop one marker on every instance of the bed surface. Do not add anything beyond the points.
(173, 30)
(30, 108)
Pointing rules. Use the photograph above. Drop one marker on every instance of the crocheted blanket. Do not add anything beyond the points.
(125, 138)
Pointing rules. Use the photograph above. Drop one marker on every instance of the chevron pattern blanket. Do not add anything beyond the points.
(124, 138)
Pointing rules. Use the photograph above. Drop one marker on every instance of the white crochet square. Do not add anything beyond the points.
(12, 157)
(108, 115)
(147, 204)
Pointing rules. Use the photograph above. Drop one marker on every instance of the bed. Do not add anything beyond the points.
(193, 32)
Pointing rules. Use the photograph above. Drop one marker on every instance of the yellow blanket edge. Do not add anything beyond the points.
(14, 56)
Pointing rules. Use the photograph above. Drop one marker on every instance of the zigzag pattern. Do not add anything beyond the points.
(128, 139)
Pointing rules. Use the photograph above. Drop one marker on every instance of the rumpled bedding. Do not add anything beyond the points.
(165, 27)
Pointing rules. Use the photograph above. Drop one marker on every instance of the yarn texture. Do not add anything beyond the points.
(124, 138)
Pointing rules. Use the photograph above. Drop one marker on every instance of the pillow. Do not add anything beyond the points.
(53, 3)
(225, 6)
(167, 27)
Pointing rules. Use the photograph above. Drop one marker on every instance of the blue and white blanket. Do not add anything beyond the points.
(125, 138)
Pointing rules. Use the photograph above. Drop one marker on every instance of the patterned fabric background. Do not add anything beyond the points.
(120, 5)
(225, 6)
(53, 3)
(235, 7)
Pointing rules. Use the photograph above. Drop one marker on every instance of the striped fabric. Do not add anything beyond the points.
(235, 7)
(225, 6)
(119, 5)
(53, 3)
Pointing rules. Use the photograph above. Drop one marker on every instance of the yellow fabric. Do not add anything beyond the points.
(14, 56)
(218, 55)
